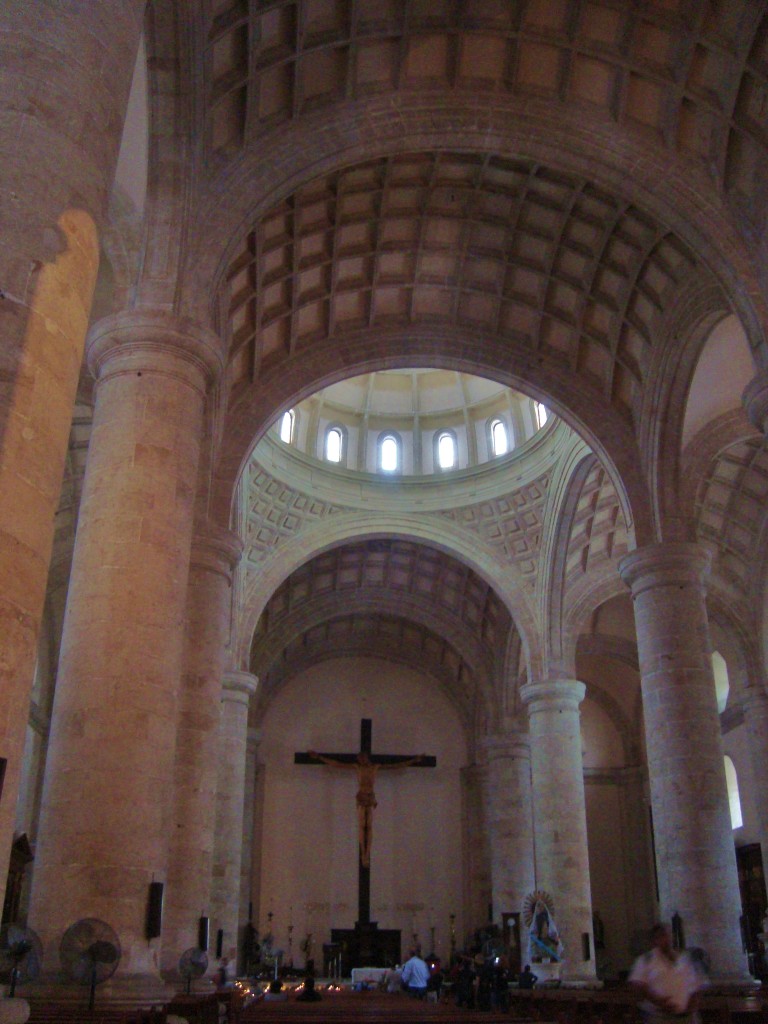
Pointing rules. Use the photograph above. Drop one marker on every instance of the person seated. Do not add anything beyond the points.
(308, 993)
(526, 978)
(275, 993)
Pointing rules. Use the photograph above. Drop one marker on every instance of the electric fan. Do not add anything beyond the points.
(21, 955)
(193, 963)
(89, 953)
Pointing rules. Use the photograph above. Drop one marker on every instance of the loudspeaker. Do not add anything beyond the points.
(202, 934)
(219, 943)
(586, 952)
(155, 910)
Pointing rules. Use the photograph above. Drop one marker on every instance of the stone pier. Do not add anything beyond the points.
(695, 854)
(559, 811)
(236, 692)
(108, 794)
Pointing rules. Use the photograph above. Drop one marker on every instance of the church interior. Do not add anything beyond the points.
(399, 362)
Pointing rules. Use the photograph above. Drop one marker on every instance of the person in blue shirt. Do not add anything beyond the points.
(415, 975)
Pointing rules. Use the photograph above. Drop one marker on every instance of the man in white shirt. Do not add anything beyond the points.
(415, 975)
(668, 983)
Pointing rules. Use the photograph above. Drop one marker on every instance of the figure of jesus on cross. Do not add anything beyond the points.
(366, 797)
(367, 765)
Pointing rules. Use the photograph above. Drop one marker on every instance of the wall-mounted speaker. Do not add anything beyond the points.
(219, 943)
(155, 910)
(202, 934)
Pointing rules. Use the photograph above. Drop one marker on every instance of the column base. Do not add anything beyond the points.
(733, 984)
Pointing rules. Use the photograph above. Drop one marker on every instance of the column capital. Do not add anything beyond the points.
(755, 399)
(133, 341)
(238, 686)
(513, 744)
(664, 565)
(565, 693)
(215, 549)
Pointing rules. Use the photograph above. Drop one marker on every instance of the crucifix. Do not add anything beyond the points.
(367, 765)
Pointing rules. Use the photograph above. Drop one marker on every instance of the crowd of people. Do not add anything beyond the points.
(667, 982)
(475, 981)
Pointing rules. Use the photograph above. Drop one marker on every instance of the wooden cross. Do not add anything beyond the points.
(367, 765)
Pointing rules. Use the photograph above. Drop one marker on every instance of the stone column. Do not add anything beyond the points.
(249, 861)
(754, 704)
(215, 554)
(510, 821)
(65, 72)
(237, 690)
(107, 801)
(477, 867)
(640, 884)
(695, 854)
(560, 817)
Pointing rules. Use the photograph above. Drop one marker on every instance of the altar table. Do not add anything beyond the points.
(373, 974)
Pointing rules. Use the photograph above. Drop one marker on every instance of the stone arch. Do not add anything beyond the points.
(170, 59)
(609, 434)
(628, 731)
(335, 530)
(696, 313)
(593, 591)
(331, 611)
(565, 500)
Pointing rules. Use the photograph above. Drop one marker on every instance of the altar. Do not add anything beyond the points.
(372, 975)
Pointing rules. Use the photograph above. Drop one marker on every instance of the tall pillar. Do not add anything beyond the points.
(560, 818)
(695, 854)
(107, 800)
(215, 554)
(250, 861)
(755, 707)
(65, 73)
(477, 877)
(510, 821)
(237, 690)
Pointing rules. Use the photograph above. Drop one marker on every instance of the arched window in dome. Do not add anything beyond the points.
(334, 444)
(734, 800)
(722, 683)
(390, 453)
(446, 450)
(288, 427)
(542, 414)
(499, 437)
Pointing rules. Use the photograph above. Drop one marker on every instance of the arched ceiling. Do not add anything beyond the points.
(400, 599)
(692, 77)
(545, 260)
(731, 513)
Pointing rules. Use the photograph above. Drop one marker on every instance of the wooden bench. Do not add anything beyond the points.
(50, 1012)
